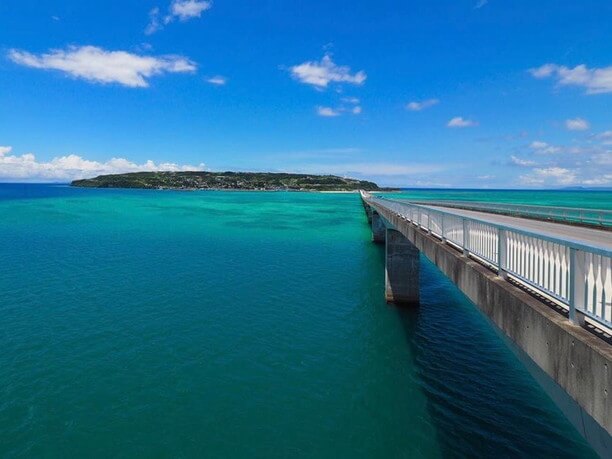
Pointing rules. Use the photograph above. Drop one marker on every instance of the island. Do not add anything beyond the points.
(196, 180)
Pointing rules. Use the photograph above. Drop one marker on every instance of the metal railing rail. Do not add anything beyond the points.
(577, 275)
(574, 215)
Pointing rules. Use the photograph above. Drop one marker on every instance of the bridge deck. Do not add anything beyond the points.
(588, 236)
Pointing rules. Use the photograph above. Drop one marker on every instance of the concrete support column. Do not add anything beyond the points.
(368, 211)
(378, 228)
(401, 269)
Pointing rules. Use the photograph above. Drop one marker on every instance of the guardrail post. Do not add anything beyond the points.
(576, 284)
(442, 225)
(501, 253)
(465, 237)
(429, 221)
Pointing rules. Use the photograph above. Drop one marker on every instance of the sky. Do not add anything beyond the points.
(412, 93)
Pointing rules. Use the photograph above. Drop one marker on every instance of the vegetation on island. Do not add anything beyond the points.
(227, 181)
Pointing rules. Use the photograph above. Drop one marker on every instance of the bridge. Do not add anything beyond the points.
(546, 285)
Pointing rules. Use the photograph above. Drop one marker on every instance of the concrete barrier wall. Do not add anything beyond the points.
(577, 361)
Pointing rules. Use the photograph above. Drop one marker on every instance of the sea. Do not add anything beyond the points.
(169, 324)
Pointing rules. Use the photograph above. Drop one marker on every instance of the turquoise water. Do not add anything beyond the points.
(559, 198)
(224, 324)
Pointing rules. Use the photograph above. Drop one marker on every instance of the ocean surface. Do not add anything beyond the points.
(589, 199)
(231, 324)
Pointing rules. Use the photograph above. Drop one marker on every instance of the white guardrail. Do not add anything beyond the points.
(598, 218)
(577, 275)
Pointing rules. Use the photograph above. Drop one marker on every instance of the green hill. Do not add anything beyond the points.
(227, 181)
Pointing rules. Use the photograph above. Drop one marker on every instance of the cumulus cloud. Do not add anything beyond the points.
(422, 105)
(542, 147)
(594, 80)
(603, 159)
(73, 167)
(5, 150)
(577, 124)
(460, 122)
(327, 112)
(332, 112)
(98, 65)
(188, 9)
(543, 71)
(605, 179)
(605, 137)
(556, 175)
(155, 22)
(351, 100)
(516, 161)
(321, 73)
(565, 176)
(586, 166)
(353, 105)
(183, 10)
(217, 80)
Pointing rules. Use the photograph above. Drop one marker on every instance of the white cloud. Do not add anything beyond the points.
(592, 170)
(595, 80)
(356, 109)
(188, 9)
(544, 71)
(5, 150)
(481, 3)
(584, 162)
(183, 10)
(320, 74)
(327, 112)
(577, 124)
(542, 147)
(603, 159)
(521, 162)
(605, 137)
(154, 22)
(556, 175)
(217, 80)
(101, 66)
(72, 167)
(338, 111)
(418, 106)
(460, 122)
(605, 179)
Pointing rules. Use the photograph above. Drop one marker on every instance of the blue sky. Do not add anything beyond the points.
(458, 93)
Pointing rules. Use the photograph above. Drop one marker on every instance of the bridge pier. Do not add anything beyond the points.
(401, 269)
(368, 211)
(378, 228)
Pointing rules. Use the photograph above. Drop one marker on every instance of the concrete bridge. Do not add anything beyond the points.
(546, 286)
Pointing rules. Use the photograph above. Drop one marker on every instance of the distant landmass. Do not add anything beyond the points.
(587, 188)
(266, 181)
